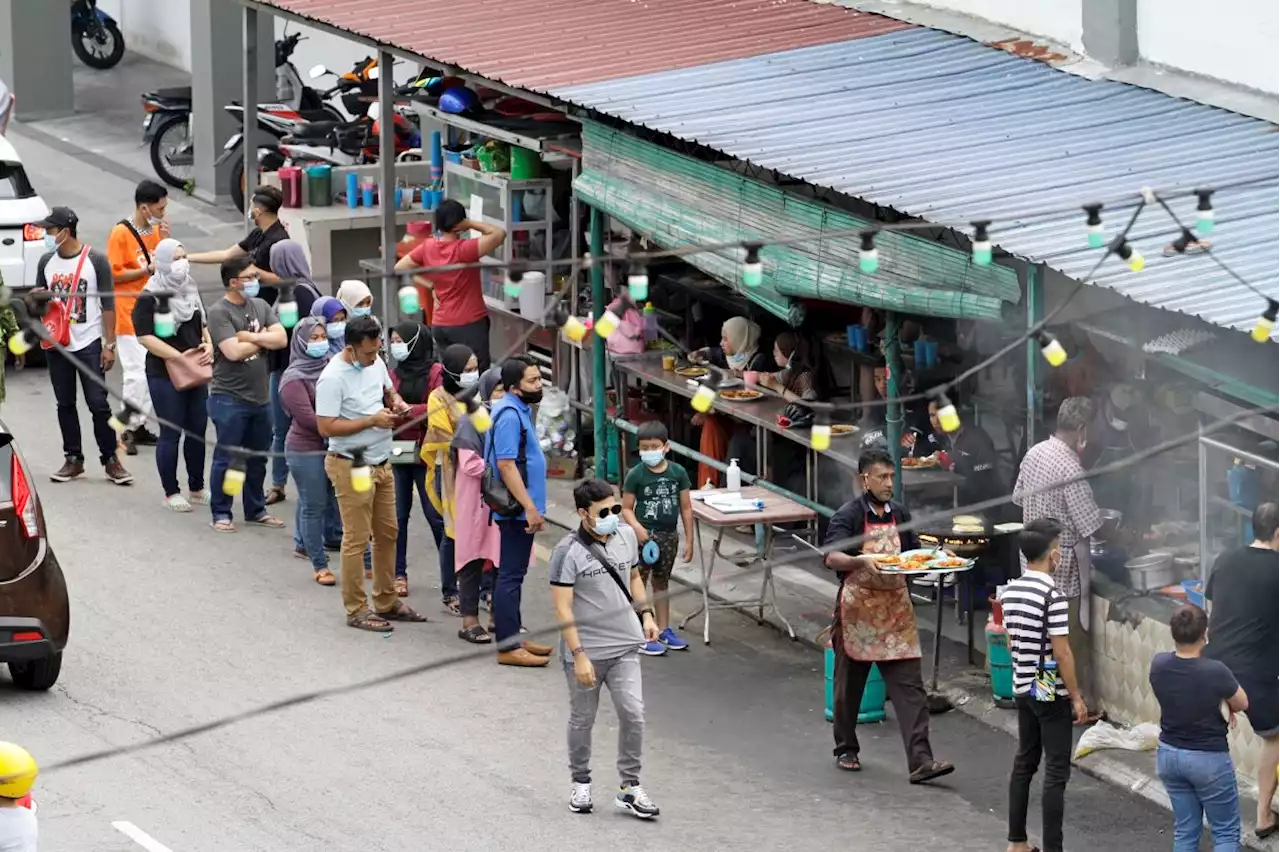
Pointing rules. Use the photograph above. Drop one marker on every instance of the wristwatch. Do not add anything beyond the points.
(578, 650)
(647, 611)
(110, 347)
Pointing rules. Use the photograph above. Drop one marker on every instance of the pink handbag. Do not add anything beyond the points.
(186, 371)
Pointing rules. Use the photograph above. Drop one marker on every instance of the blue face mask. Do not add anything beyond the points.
(317, 348)
(736, 360)
(361, 312)
(652, 458)
(336, 330)
(50, 244)
(399, 351)
(252, 288)
(608, 525)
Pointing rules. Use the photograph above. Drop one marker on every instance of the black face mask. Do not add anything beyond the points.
(531, 397)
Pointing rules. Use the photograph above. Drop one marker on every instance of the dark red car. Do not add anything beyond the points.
(35, 613)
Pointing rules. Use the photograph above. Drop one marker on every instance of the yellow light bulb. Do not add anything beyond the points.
(361, 478)
(574, 329)
(820, 437)
(1136, 261)
(18, 344)
(949, 418)
(1262, 331)
(233, 482)
(703, 399)
(1054, 353)
(481, 420)
(607, 324)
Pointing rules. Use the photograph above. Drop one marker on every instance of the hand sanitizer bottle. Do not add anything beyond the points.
(733, 476)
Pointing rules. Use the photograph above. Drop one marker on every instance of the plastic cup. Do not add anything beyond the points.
(750, 377)
(669, 363)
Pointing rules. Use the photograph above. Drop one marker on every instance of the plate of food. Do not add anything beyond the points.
(692, 371)
(838, 429)
(919, 463)
(741, 395)
(918, 561)
(887, 558)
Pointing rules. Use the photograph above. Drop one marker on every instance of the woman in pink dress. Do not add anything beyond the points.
(475, 534)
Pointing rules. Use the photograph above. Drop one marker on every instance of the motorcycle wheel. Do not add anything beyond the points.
(101, 54)
(269, 163)
(173, 134)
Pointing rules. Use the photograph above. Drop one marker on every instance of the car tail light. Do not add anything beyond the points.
(28, 636)
(24, 499)
(32, 233)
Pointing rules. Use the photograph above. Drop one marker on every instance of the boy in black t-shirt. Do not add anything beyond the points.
(655, 494)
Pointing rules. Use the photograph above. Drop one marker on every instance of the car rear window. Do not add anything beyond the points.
(13, 182)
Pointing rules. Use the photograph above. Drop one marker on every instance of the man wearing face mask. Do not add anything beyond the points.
(356, 409)
(1119, 429)
(131, 248)
(81, 278)
(243, 329)
(1050, 463)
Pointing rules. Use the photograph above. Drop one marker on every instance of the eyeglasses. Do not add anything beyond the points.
(615, 509)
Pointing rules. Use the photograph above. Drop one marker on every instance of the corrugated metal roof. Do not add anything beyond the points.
(943, 128)
(541, 44)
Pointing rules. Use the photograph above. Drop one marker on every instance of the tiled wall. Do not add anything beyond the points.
(1122, 658)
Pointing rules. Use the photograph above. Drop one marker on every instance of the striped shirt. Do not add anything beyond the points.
(1026, 601)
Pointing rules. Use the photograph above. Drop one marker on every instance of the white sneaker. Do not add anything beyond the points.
(580, 799)
(177, 503)
(633, 798)
(201, 497)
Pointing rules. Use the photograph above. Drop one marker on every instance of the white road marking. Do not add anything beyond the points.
(140, 837)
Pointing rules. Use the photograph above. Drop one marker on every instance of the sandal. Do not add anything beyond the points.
(402, 612)
(223, 526)
(368, 621)
(849, 762)
(486, 598)
(325, 577)
(275, 494)
(451, 605)
(402, 587)
(930, 771)
(476, 635)
(265, 520)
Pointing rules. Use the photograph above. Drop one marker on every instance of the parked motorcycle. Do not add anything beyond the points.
(167, 123)
(95, 35)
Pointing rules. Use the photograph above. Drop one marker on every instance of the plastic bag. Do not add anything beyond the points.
(555, 426)
(1143, 737)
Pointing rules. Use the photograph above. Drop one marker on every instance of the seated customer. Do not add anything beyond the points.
(723, 437)
(798, 378)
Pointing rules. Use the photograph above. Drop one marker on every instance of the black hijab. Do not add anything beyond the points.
(414, 372)
(454, 359)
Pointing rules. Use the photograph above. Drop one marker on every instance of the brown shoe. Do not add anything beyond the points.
(70, 470)
(538, 649)
(521, 657)
(117, 474)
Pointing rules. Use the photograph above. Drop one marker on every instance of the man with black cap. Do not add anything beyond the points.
(81, 278)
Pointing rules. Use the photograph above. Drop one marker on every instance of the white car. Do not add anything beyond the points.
(21, 241)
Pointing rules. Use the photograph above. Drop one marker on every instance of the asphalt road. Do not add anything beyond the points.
(174, 626)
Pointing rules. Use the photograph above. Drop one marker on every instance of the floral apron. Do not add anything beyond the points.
(878, 624)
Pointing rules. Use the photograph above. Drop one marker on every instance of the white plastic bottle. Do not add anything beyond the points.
(733, 476)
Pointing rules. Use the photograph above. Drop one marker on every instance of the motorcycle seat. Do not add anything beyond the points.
(182, 93)
(316, 129)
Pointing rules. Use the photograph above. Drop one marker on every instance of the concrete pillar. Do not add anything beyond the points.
(36, 57)
(1110, 30)
(217, 79)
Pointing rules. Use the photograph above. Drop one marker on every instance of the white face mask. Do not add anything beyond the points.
(1118, 424)
(180, 268)
(469, 379)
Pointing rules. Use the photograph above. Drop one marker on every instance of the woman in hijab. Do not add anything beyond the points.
(334, 317)
(475, 536)
(411, 376)
(738, 352)
(356, 297)
(316, 517)
(180, 412)
(288, 261)
(460, 371)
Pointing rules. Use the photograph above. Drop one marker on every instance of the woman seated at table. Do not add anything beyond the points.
(723, 437)
(798, 378)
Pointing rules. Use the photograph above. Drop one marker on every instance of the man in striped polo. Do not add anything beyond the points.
(1044, 684)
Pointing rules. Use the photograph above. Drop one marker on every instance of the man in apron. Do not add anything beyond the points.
(874, 622)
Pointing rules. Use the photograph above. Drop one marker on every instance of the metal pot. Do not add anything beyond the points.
(1151, 572)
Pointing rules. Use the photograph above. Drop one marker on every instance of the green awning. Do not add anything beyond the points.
(676, 200)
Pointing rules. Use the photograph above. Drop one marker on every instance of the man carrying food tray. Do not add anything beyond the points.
(874, 622)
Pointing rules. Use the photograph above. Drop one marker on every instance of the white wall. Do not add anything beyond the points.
(1235, 42)
(1055, 20)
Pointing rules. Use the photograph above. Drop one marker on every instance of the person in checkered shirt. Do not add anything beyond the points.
(1052, 461)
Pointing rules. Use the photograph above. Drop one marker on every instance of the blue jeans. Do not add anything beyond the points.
(239, 424)
(186, 409)
(408, 478)
(1201, 784)
(314, 523)
(513, 564)
(280, 423)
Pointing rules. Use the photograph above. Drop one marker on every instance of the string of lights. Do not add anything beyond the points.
(919, 522)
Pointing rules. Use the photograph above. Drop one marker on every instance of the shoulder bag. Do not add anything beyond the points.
(496, 494)
(137, 237)
(1045, 686)
(57, 316)
(186, 371)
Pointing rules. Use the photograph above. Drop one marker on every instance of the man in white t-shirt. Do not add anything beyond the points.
(81, 278)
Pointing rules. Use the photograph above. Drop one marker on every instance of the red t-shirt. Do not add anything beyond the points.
(459, 297)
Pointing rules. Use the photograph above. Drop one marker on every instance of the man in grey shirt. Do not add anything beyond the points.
(597, 590)
(242, 328)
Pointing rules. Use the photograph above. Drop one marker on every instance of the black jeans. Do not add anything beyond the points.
(469, 588)
(62, 375)
(905, 686)
(1043, 726)
(474, 335)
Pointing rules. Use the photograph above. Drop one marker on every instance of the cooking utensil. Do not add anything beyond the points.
(1150, 572)
(1111, 519)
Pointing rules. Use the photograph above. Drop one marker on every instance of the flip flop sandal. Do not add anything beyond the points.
(402, 587)
(849, 763)
(1264, 833)
(326, 578)
(275, 495)
(223, 526)
(476, 635)
(451, 605)
(937, 769)
(402, 612)
(368, 621)
(267, 521)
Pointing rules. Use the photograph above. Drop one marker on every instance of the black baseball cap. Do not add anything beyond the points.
(60, 217)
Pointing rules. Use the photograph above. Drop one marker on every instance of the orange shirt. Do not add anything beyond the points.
(126, 256)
